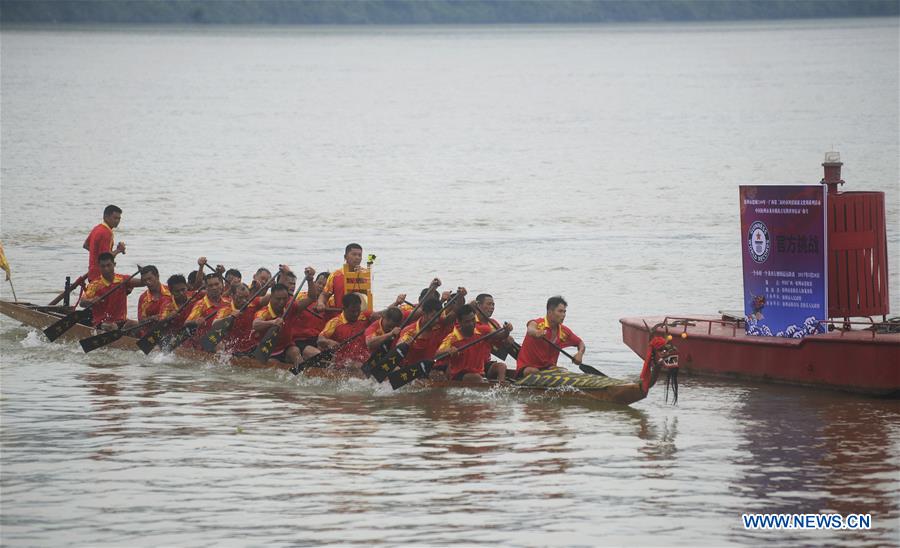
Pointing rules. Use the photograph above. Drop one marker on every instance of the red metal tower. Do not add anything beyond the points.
(857, 248)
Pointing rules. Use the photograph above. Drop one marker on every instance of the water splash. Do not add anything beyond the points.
(33, 340)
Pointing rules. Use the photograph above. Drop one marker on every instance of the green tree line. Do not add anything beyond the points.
(397, 12)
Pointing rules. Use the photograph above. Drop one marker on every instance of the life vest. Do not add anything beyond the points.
(346, 282)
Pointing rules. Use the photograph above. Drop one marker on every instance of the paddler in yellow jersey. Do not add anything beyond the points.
(351, 278)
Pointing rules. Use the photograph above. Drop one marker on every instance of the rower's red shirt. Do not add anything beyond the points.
(240, 338)
(100, 240)
(309, 323)
(285, 334)
(406, 310)
(539, 353)
(113, 308)
(339, 329)
(148, 305)
(472, 359)
(490, 325)
(181, 315)
(374, 330)
(204, 307)
(426, 345)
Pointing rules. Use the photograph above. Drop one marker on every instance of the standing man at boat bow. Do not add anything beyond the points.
(537, 352)
(100, 240)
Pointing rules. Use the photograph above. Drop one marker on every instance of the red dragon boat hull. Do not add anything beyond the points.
(560, 383)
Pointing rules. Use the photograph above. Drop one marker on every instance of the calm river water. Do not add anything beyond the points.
(599, 162)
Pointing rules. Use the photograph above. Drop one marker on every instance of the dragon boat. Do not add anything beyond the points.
(661, 357)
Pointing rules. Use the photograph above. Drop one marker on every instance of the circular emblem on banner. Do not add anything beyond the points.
(758, 241)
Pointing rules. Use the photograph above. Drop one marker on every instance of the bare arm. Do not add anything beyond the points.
(374, 342)
(451, 314)
(326, 342)
(264, 325)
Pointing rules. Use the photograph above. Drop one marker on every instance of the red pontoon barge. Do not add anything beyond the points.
(860, 352)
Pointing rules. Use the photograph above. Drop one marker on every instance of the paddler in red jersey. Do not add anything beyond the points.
(201, 316)
(272, 314)
(196, 278)
(178, 288)
(352, 322)
(472, 364)
(484, 302)
(306, 329)
(239, 340)
(537, 353)
(351, 278)
(425, 346)
(233, 278)
(261, 278)
(110, 312)
(100, 240)
(385, 329)
(156, 303)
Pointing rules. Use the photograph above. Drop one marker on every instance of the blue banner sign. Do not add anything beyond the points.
(784, 251)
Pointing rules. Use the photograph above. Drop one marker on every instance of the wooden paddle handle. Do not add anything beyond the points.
(78, 282)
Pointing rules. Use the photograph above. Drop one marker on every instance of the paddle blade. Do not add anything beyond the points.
(376, 356)
(103, 339)
(513, 350)
(216, 333)
(266, 345)
(591, 370)
(150, 340)
(178, 339)
(57, 329)
(501, 353)
(319, 360)
(405, 375)
(394, 358)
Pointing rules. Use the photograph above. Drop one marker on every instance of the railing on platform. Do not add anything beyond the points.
(886, 326)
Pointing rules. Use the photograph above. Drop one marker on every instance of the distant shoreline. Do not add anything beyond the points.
(380, 28)
(314, 13)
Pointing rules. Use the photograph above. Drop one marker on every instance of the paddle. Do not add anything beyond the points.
(187, 332)
(155, 334)
(267, 343)
(511, 349)
(220, 328)
(583, 366)
(420, 370)
(107, 337)
(84, 315)
(316, 361)
(385, 347)
(382, 367)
